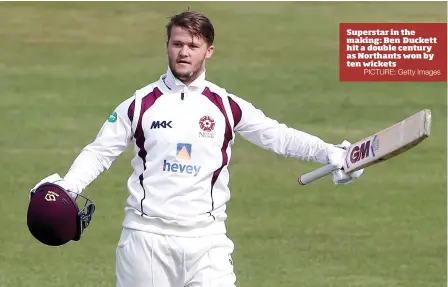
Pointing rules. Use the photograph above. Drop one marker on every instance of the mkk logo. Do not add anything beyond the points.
(161, 124)
(183, 152)
(364, 150)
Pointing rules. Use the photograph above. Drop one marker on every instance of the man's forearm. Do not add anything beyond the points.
(304, 146)
(85, 169)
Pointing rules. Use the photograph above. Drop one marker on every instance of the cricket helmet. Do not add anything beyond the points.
(54, 217)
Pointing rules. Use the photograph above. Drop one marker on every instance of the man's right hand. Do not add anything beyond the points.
(55, 179)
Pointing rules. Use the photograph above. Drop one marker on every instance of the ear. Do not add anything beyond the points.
(209, 52)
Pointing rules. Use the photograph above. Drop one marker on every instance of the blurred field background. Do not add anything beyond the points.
(65, 66)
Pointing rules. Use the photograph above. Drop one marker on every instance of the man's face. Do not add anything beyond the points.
(187, 54)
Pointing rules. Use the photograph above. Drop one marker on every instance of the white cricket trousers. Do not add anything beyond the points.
(146, 259)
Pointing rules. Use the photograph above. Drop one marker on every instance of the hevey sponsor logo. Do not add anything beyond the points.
(161, 124)
(183, 152)
(363, 150)
(207, 124)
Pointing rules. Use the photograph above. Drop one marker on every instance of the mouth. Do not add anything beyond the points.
(183, 62)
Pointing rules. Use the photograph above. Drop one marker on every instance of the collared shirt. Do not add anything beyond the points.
(182, 138)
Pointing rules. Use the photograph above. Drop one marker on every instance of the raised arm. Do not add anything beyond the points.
(253, 125)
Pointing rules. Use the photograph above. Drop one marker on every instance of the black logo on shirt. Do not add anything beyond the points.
(161, 124)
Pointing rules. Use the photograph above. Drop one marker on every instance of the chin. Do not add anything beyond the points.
(183, 73)
(183, 69)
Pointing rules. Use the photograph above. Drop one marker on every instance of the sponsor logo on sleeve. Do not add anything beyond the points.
(112, 118)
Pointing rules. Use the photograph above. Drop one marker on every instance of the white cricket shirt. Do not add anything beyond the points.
(182, 138)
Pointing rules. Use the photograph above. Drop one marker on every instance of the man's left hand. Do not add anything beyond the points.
(336, 156)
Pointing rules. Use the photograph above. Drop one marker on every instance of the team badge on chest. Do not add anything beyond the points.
(207, 124)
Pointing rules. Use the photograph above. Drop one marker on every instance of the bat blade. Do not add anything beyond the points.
(381, 146)
(389, 142)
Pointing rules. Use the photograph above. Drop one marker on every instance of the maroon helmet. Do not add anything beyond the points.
(54, 217)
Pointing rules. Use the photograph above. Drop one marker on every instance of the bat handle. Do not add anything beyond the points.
(315, 174)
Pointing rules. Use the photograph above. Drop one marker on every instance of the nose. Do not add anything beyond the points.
(184, 51)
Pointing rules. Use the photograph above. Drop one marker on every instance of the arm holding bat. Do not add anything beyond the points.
(254, 126)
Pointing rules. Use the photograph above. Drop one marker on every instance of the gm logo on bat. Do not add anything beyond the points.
(364, 150)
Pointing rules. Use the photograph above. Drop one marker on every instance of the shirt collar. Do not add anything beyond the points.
(175, 84)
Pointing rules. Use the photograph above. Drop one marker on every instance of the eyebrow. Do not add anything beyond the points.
(190, 42)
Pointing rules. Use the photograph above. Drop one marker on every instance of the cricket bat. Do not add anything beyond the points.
(380, 147)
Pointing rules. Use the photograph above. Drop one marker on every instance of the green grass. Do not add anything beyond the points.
(65, 66)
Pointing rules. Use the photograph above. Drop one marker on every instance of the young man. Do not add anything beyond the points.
(183, 128)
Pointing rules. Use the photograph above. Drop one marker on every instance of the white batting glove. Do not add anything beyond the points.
(336, 156)
(56, 179)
